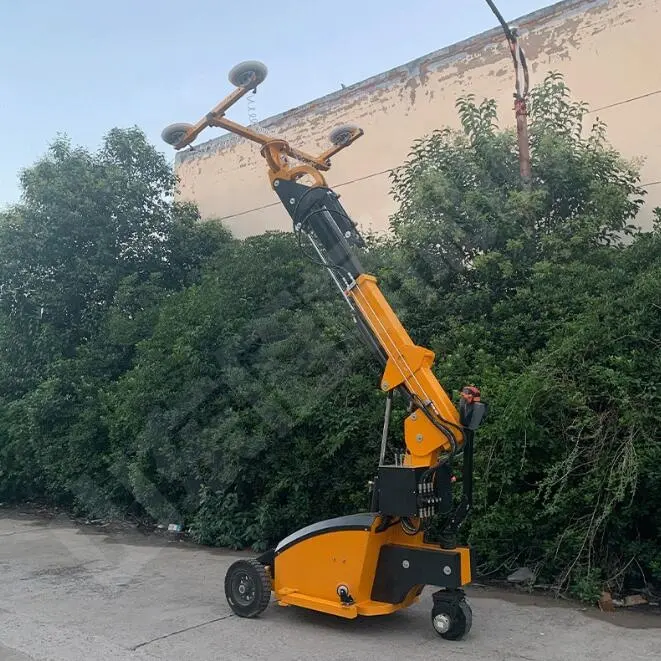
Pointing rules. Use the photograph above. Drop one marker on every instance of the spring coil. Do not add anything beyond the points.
(252, 112)
(252, 108)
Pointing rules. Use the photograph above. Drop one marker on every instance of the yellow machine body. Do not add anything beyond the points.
(381, 572)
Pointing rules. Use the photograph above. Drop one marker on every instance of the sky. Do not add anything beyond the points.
(80, 68)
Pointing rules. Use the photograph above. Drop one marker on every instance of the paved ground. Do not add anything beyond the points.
(83, 594)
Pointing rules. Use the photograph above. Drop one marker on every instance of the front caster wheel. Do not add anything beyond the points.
(247, 588)
(452, 620)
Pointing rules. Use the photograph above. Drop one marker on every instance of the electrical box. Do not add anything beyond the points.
(402, 492)
(398, 490)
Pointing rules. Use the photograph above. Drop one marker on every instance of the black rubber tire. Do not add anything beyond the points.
(460, 615)
(255, 580)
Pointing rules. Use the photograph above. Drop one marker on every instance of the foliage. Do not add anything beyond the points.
(549, 300)
(156, 366)
(228, 410)
(96, 245)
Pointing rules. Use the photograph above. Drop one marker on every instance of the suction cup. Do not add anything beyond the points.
(341, 134)
(175, 132)
(248, 74)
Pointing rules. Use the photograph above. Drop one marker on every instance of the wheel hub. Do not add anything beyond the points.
(441, 623)
(244, 588)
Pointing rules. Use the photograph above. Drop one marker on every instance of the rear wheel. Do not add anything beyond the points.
(247, 588)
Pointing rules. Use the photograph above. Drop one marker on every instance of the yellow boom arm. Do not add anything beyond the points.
(433, 426)
(409, 365)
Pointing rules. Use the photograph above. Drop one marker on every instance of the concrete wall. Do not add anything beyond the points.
(607, 50)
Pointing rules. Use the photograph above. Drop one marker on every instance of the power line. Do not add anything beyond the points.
(621, 103)
(243, 213)
(367, 176)
(276, 204)
(353, 181)
(382, 172)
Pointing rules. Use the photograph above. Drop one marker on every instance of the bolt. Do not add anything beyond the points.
(414, 416)
(447, 570)
(292, 200)
(384, 386)
(405, 564)
(419, 438)
(276, 183)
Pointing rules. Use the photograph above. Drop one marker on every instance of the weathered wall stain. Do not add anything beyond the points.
(605, 48)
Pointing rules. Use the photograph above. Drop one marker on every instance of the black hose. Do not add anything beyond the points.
(513, 41)
(502, 21)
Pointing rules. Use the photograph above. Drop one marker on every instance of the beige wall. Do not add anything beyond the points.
(608, 52)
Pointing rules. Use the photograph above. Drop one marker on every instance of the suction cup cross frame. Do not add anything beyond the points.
(246, 76)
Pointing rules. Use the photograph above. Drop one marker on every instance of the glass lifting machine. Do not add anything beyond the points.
(379, 561)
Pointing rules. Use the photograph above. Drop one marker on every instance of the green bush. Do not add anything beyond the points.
(549, 300)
